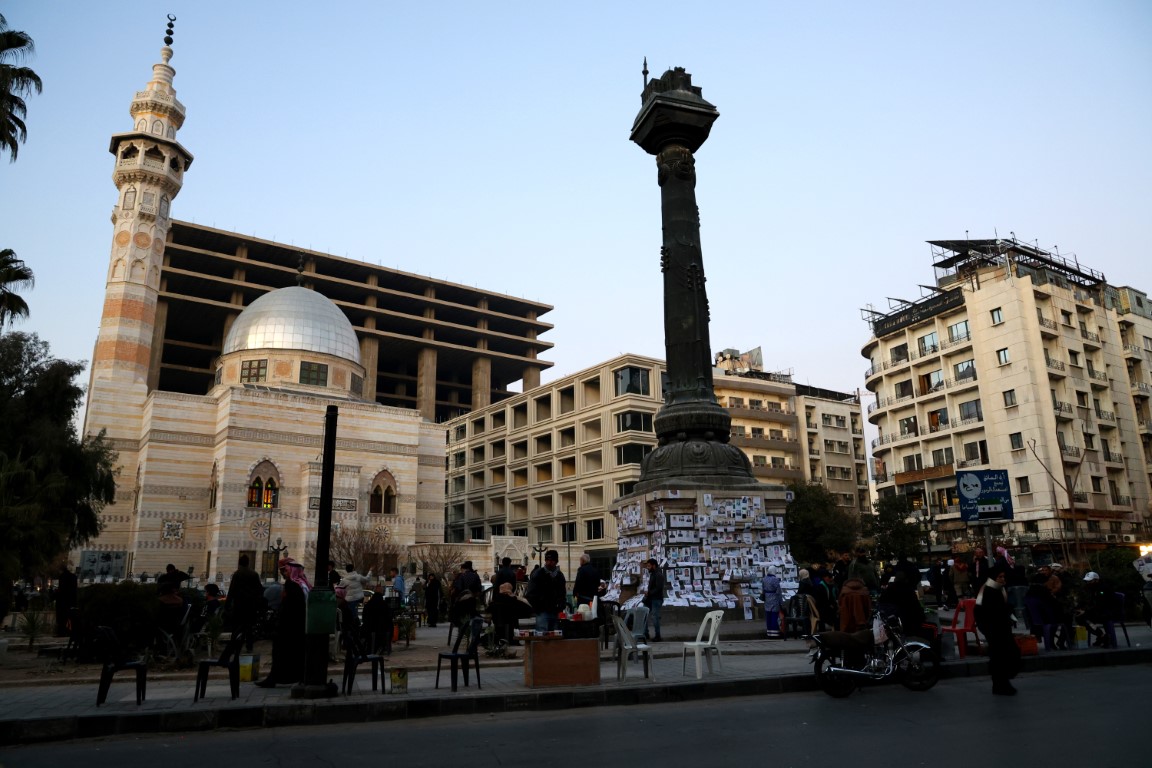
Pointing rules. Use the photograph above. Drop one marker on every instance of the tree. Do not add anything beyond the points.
(366, 548)
(53, 484)
(890, 530)
(442, 559)
(14, 274)
(16, 82)
(815, 526)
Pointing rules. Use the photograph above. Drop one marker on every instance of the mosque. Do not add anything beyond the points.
(218, 354)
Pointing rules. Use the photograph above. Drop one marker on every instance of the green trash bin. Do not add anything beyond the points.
(321, 617)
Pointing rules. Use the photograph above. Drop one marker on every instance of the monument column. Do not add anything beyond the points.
(692, 428)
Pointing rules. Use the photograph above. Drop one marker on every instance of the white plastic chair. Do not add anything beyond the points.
(711, 627)
(626, 646)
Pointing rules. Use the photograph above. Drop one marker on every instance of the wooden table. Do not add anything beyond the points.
(556, 661)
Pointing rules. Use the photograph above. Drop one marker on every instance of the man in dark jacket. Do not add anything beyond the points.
(432, 595)
(548, 593)
(245, 600)
(466, 589)
(505, 574)
(979, 570)
(994, 620)
(654, 597)
(587, 581)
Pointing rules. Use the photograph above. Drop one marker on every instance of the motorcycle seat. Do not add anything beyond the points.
(861, 640)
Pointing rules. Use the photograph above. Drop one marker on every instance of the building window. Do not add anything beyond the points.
(971, 410)
(1009, 398)
(758, 432)
(130, 199)
(357, 385)
(908, 425)
(630, 421)
(928, 343)
(1023, 485)
(263, 488)
(520, 532)
(315, 374)
(594, 529)
(1002, 356)
(476, 532)
(759, 461)
(1074, 358)
(942, 457)
(1097, 485)
(624, 489)
(382, 499)
(900, 353)
(1016, 440)
(965, 370)
(497, 529)
(252, 371)
(913, 463)
(567, 532)
(997, 316)
(631, 453)
(958, 332)
(543, 534)
(1065, 317)
(632, 381)
(904, 388)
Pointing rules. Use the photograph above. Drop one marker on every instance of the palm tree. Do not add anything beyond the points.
(14, 274)
(15, 83)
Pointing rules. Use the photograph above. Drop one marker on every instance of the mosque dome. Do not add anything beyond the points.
(294, 318)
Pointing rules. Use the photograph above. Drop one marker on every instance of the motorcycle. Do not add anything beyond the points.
(845, 660)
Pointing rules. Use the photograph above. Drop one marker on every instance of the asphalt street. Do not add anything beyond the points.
(1095, 717)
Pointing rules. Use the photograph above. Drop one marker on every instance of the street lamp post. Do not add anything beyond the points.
(539, 550)
(275, 552)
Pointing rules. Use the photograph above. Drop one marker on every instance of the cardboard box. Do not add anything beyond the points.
(249, 668)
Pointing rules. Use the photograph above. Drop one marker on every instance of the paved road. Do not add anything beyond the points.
(1095, 718)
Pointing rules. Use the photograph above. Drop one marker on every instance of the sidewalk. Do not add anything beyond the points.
(751, 666)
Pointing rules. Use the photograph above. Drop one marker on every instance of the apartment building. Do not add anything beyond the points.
(1025, 361)
(548, 463)
(833, 451)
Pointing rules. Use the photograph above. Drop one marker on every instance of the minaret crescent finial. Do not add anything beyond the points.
(645, 71)
(300, 271)
(171, 30)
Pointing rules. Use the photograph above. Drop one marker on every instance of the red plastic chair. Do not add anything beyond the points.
(963, 624)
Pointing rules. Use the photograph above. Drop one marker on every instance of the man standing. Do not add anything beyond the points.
(994, 619)
(466, 589)
(862, 568)
(432, 599)
(979, 569)
(397, 584)
(331, 575)
(548, 593)
(504, 575)
(172, 575)
(245, 600)
(587, 581)
(840, 569)
(654, 598)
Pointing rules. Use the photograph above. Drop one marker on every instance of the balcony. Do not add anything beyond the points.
(1055, 368)
(882, 478)
(811, 425)
(970, 463)
(1098, 380)
(1080, 497)
(789, 444)
(1070, 452)
(1048, 327)
(959, 341)
(1091, 338)
(1140, 389)
(1105, 415)
(1131, 350)
(1121, 501)
(962, 381)
(1063, 410)
(785, 472)
(1112, 457)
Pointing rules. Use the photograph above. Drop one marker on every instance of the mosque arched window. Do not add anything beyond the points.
(255, 492)
(271, 495)
(158, 128)
(382, 499)
(130, 198)
(164, 207)
(142, 125)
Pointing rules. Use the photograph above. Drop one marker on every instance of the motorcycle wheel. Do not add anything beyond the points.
(918, 670)
(836, 686)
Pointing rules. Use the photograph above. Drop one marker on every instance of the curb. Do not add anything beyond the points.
(273, 715)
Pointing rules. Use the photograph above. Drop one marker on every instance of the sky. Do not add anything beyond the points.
(487, 144)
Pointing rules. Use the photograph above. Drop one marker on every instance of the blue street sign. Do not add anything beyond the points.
(984, 495)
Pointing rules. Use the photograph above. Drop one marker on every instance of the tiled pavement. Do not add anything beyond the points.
(30, 713)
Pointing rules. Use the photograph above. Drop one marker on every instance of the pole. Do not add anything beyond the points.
(322, 598)
(570, 533)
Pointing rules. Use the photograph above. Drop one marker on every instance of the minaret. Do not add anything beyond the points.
(693, 429)
(148, 174)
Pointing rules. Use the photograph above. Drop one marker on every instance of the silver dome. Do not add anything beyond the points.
(294, 318)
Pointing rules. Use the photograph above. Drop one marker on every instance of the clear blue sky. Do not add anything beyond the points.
(488, 144)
